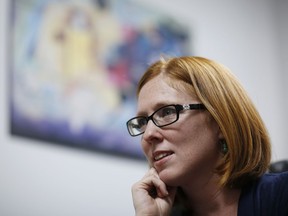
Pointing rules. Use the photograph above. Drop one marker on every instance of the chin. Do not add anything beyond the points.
(169, 178)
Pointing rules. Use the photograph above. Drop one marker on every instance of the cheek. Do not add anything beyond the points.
(199, 151)
(200, 138)
(145, 146)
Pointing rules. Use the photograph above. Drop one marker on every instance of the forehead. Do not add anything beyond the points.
(157, 92)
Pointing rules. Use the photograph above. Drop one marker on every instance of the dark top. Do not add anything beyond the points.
(268, 196)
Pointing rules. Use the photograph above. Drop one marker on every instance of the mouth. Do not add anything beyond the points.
(159, 155)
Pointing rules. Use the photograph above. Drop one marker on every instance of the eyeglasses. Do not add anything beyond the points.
(164, 116)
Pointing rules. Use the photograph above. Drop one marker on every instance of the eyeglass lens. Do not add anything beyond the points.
(161, 117)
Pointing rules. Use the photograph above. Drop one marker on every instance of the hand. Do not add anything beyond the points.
(151, 196)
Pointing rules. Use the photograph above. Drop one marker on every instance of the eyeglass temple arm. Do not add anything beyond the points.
(193, 106)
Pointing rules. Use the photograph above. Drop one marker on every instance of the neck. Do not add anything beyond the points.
(210, 199)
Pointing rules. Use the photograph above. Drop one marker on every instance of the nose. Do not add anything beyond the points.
(152, 133)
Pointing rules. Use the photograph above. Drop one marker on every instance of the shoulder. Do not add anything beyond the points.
(272, 182)
(266, 196)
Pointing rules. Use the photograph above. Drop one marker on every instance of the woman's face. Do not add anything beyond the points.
(185, 150)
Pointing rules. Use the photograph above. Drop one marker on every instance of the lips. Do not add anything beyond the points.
(161, 154)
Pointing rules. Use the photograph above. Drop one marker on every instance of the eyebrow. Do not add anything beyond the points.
(154, 108)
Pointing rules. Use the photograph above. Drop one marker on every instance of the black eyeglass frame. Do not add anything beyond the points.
(178, 108)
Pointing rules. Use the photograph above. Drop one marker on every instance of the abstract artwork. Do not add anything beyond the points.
(74, 66)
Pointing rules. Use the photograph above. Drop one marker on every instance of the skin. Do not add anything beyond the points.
(193, 146)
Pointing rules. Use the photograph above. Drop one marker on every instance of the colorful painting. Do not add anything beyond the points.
(74, 66)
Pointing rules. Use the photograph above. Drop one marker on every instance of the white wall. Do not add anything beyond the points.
(281, 21)
(41, 179)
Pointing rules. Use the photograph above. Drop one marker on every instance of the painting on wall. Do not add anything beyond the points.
(74, 66)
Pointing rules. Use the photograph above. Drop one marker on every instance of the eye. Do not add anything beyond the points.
(166, 111)
(141, 122)
(137, 123)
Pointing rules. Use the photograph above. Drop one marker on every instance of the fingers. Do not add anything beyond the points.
(155, 184)
(152, 184)
(151, 196)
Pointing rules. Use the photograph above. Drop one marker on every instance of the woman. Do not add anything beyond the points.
(207, 147)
